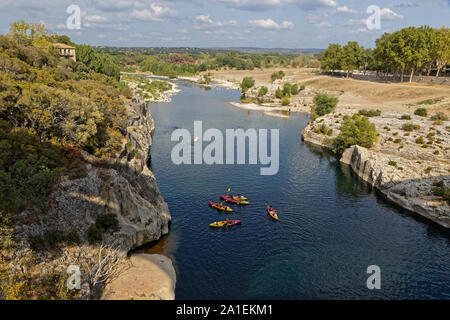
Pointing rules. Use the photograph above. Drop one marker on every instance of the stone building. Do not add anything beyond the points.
(66, 51)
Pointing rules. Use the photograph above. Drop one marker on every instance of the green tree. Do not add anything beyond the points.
(247, 83)
(324, 104)
(262, 91)
(355, 131)
(26, 33)
(440, 51)
(287, 88)
(352, 57)
(332, 58)
(279, 93)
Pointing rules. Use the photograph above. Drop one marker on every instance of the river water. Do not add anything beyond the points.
(332, 225)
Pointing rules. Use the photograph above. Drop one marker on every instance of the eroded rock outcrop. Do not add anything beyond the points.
(123, 186)
(405, 171)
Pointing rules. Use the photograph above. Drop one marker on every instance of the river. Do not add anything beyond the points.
(332, 225)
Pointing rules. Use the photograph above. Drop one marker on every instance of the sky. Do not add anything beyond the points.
(224, 23)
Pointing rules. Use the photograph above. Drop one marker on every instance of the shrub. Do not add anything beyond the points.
(53, 239)
(420, 140)
(370, 113)
(410, 127)
(94, 234)
(405, 117)
(302, 87)
(324, 104)
(277, 75)
(294, 89)
(430, 101)
(392, 163)
(279, 93)
(439, 116)
(262, 91)
(285, 101)
(287, 88)
(355, 131)
(422, 112)
(246, 84)
(428, 170)
(397, 140)
(323, 129)
(107, 221)
(103, 223)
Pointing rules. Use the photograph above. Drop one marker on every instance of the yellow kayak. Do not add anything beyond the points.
(221, 207)
(272, 212)
(221, 224)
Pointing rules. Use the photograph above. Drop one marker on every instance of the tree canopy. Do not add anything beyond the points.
(413, 49)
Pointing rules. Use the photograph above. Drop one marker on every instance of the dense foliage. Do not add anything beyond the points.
(324, 104)
(247, 83)
(356, 130)
(416, 49)
(50, 107)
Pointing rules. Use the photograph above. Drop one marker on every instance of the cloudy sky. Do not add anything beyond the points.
(225, 23)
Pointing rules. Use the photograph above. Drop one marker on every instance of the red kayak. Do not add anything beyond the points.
(231, 200)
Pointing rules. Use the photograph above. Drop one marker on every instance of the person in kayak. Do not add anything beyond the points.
(228, 222)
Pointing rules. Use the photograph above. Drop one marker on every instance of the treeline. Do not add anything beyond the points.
(176, 64)
(98, 62)
(410, 50)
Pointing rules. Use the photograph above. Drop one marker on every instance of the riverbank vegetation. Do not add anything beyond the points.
(149, 89)
(415, 50)
(356, 130)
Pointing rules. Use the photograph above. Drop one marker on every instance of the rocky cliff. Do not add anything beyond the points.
(123, 186)
(405, 171)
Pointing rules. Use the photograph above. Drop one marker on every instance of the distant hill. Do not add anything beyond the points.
(189, 50)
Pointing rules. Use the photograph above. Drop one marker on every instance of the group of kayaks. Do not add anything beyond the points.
(235, 199)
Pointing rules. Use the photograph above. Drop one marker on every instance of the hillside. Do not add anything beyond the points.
(75, 186)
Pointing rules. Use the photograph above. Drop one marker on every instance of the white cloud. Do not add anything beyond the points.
(316, 17)
(155, 13)
(270, 24)
(266, 5)
(358, 31)
(353, 22)
(388, 14)
(346, 10)
(204, 20)
(94, 19)
(323, 24)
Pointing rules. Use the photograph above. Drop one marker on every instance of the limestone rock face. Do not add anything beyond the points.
(148, 277)
(408, 188)
(124, 186)
(403, 170)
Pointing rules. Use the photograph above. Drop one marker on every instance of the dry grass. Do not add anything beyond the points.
(353, 93)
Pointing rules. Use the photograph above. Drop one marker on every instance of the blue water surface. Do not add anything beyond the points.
(332, 226)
